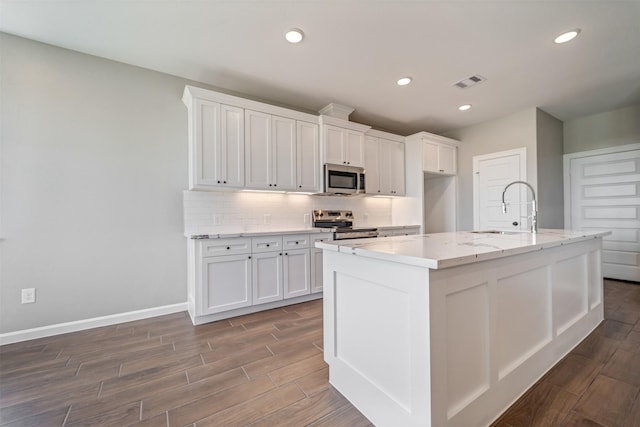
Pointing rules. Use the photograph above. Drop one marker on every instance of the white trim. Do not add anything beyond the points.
(96, 322)
(566, 172)
(191, 92)
(522, 152)
(385, 135)
(434, 138)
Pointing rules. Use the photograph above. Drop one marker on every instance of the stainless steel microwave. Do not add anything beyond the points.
(345, 180)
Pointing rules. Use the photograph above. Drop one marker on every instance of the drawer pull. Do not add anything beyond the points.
(228, 247)
(267, 245)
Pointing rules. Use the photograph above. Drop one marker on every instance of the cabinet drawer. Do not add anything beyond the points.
(266, 244)
(324, 237)
(217, 247)
(295, 241)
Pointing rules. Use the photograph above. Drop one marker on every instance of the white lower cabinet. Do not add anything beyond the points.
(226, 283)
(267, 277)
(233, 276)
(316, 263)
(297, 276)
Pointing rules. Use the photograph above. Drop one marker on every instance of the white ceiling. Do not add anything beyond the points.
(355, 50)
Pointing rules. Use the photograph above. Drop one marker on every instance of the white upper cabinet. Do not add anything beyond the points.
(384, 164)
(372, 165)
(216, 145)
(343, 145)
(439, 157)
(270, 151)
(308, 172)
(240, 143)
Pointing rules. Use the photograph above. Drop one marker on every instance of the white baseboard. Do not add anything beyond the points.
(96, 322)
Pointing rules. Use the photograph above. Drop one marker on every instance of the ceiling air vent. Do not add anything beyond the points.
(469, 81)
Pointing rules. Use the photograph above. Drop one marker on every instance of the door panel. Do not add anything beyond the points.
(267, 277)
(492, 174)
(258, 149)
(605, 194)
(284, 153)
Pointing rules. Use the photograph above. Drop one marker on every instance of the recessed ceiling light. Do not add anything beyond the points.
(565, 37)
(294, 35)
(404, 81)
(464, 107)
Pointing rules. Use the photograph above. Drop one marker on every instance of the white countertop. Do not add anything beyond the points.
(443, 250)
(223, 233)
(394, 227)
(253, 232)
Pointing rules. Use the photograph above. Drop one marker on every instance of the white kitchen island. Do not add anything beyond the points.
(449, 329)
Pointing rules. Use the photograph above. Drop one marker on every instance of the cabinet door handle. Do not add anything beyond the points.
(299, 186)
(296, 243)
(249, 256)
(280, 253)
(224, 182)
(267, 245)
(286, 253)
(228, 247)
(218, 181)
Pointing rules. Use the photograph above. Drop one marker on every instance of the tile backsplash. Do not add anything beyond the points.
(211, 212)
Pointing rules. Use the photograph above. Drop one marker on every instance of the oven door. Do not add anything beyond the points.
(342, 179)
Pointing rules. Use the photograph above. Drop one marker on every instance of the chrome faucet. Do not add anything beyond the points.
(534, 212)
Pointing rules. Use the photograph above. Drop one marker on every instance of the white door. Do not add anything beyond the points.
(226, 283)
(372, 165)
(297, 276)
(258, 145)
(396, 155)
(283, 153)
(267, 277)
(492, 173)
(605, 195)
(354, 148)
(308, 152)
(334, 141)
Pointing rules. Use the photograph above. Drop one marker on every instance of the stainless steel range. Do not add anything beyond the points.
(341, 223)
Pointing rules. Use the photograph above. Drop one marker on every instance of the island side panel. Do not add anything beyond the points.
(497, 326)
(376, 336)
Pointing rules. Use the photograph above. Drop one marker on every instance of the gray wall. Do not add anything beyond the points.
(94, 161)
(550, 176)
(612, 128)
(514, 131)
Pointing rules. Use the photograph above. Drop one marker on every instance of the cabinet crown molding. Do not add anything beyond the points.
(345, 124)
(433, 138)
(385, 135)
(337, 110)
(191, 92)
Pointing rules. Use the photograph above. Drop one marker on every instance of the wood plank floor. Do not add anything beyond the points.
(598, 383)
(267, 369)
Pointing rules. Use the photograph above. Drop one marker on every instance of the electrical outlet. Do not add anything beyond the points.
(216, 219)
(267, 219)
(307, 218)
(28, 295)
